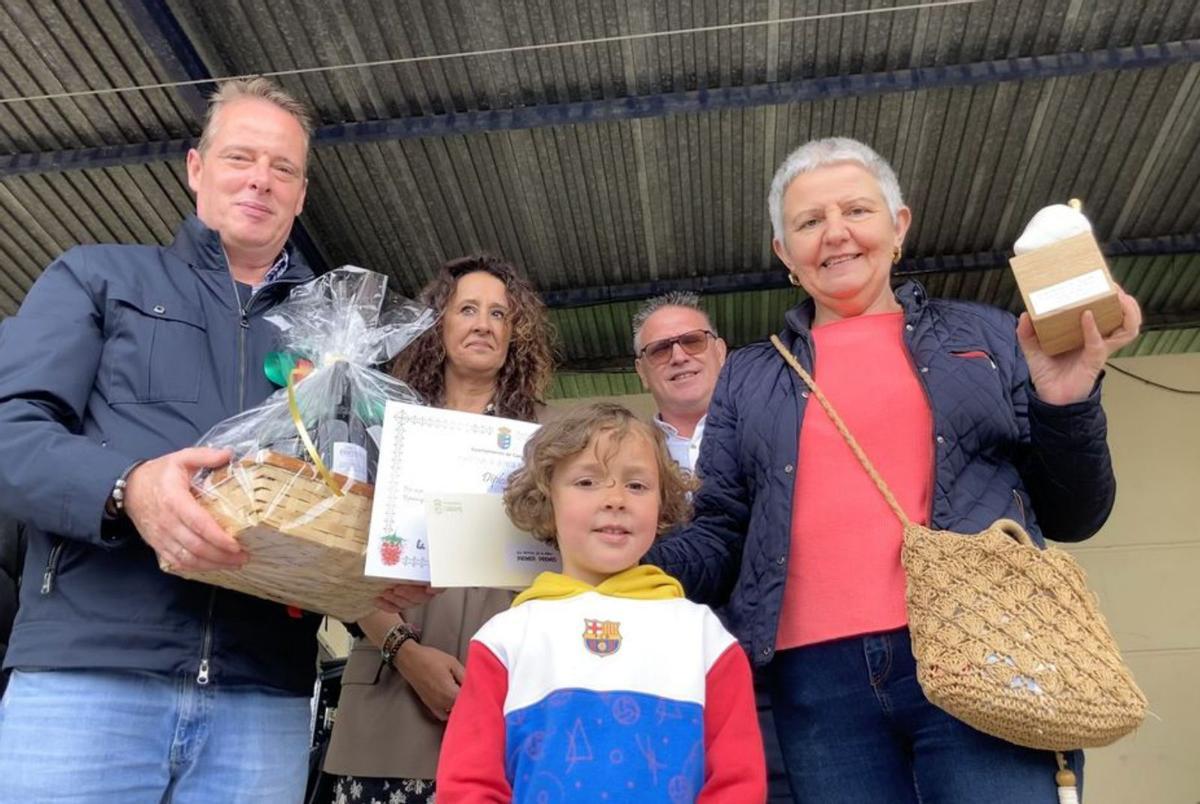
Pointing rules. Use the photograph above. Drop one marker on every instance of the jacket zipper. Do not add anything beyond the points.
(202, 675)
(970, 353)
(206, 645)
(243, 325)
(52, 566)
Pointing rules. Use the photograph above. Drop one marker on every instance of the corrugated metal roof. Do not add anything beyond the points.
(51, 48)
(626, 201)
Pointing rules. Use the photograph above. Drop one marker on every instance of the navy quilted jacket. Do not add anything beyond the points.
(999, 452)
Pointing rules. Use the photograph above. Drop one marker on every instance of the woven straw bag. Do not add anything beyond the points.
(1007, 637)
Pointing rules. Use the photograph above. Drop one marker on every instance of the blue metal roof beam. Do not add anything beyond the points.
(173, 50)
(1029, 68)
(911, 266)
(180, 61)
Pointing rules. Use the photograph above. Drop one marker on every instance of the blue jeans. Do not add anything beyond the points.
(92, 736)
(855, 726)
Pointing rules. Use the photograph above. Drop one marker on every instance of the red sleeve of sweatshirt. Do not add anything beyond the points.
(471, 764)
(735, 768)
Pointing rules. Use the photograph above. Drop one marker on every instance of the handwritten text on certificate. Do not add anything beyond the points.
(429, 451)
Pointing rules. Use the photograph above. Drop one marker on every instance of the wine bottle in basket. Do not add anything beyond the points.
(343, 436)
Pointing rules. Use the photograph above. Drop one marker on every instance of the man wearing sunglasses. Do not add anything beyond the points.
(679, 356)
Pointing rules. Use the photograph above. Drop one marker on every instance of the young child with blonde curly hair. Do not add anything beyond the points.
(602, 683)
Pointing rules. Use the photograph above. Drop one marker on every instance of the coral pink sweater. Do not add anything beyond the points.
(844, 573)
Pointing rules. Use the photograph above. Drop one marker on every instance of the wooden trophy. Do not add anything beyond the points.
(1061, 276)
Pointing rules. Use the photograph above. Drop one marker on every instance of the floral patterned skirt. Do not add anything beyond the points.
(367, 790)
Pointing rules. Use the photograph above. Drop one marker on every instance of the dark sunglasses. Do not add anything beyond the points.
(693, 342)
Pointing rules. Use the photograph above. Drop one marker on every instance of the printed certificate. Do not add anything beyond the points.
(473, 543)
(428, 451)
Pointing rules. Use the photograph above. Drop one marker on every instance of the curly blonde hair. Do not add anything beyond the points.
(529, 365)
(527, 497)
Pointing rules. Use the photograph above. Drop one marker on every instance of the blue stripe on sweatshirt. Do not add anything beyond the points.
(580, 745)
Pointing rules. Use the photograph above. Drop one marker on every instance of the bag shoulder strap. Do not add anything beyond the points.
(845, 433)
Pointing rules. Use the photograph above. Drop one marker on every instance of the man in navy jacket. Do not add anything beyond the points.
(130, 683)
(679, 357)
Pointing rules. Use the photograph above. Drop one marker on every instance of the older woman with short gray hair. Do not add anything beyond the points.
(966, 418)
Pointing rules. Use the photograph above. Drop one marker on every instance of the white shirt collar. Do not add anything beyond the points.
(685, 451)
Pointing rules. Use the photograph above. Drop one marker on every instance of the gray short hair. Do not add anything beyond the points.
(675, 298)
(261, 89)
(831, 150)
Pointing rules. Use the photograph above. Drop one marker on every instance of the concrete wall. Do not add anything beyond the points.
(1145, 568)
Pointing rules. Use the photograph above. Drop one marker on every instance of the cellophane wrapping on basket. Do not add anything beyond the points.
(305, 525)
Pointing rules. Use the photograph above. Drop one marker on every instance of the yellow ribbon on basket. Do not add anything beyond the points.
(298, 420)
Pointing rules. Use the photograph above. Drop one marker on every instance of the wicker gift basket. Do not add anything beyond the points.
(297, 492)
(308, 545)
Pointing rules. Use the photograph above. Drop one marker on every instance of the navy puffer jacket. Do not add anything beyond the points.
(999, 452)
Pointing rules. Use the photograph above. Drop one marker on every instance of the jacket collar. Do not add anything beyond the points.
(200, 247)
(911, 295)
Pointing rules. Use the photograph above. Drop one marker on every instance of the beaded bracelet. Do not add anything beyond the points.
(396, 636)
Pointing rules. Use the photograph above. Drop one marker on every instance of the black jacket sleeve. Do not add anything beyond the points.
(51, 475)
(1066, 465)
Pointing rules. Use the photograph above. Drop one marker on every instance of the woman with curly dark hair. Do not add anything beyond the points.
(524, 372)
(489, 353)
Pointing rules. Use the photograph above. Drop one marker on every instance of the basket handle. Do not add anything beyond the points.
(845, 432)
(1014, 530)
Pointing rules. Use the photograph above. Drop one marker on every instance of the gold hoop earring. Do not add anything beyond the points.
(793, 280)
(895, 255)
